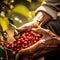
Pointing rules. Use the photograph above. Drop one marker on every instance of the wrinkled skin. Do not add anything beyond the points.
(49, 41)
(39, 20)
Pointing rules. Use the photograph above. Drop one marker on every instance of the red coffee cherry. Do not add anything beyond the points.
(26, 40)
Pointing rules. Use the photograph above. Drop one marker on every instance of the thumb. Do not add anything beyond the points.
(43, 32)
(16, 32)
(21, 29)
(39, 30)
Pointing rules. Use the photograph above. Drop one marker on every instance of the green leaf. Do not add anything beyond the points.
(22, 10)
(17, 56)
(4, 23)
(2, 51)
(29, 1)
(5, 1)
(41, 1)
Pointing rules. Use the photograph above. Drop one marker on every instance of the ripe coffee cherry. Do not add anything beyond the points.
(27, 34)
(13, 52)
(18, 42)
(25, 42)
(26, 39)
(22, 45)
(7, 45)
(29, 44)
(18, 49)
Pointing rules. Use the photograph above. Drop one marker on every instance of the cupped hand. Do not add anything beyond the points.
(47, 43)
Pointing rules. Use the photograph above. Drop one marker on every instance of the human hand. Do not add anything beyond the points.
(42, 18)
(25, 27)
(48, 43)
(39, 20)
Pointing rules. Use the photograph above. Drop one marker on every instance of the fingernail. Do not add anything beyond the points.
(33, 29)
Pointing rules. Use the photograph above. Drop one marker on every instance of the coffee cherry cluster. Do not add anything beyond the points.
(25, 40)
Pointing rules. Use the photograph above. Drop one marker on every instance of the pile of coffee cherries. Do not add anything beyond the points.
(27, 39)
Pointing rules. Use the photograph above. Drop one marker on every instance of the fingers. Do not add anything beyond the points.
(44, 31)
(18, 31)
(21, 29)
(40, 31)
(45, 19)
(16, 34)
(32, 49)
(51, 33)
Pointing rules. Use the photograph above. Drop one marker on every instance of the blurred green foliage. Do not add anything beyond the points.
(21, 9)
(25, 8)
(4, 23)
(2, 52)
